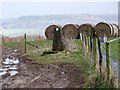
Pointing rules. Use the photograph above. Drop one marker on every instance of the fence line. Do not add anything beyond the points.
(92, 46)
(96, 46)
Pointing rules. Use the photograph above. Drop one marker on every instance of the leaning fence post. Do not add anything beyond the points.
(25, 42)
(90, 43)
(108, 61)
(100, 56)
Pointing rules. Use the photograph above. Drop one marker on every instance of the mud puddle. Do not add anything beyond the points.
(9, 62)
(26, 73)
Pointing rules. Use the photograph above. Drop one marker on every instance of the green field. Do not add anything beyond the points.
(114, 48)
(47, 44)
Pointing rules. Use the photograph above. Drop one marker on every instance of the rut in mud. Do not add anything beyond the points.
(35, 75)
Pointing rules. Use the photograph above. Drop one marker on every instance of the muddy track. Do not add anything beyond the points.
(34, 75)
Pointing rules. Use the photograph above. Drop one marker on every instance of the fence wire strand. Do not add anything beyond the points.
(103, 50)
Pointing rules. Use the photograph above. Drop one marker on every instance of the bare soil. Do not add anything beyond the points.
(35, 75)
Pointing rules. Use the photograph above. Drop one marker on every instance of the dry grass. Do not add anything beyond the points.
(21, 38)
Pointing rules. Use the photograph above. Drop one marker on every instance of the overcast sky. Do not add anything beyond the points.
(12, 9)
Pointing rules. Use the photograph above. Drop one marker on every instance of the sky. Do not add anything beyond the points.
(59, 0)
(50, 7)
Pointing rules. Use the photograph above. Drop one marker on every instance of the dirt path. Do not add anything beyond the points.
(34, 75)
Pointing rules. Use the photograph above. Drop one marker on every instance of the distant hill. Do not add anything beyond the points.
(43, 21)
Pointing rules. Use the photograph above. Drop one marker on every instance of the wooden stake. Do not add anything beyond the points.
(25, 42)
(94, 52)
(88, 39)
(91, 43)
(108, 61)
(83, 36)
(100, 56)
(85, 39)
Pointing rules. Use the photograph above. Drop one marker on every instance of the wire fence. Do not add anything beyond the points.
(90, 46)
(105, 56)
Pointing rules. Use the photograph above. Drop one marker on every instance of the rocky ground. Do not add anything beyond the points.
(35, 75)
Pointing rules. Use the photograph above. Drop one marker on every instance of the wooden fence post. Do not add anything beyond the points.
(86, 44)
(83, 41)
(94, 51)
(88, 39)
(3, 39)
(119, 53)
(81, 38)
(91, 43)
(119, 59)
(108, 61)
(100, 56)
(25, 42)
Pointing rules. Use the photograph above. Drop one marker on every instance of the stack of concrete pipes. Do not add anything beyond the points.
(73, 31)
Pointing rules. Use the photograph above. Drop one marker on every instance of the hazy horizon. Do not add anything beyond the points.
(12, 9)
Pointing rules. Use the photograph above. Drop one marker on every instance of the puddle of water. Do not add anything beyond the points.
(9, 65)
(1, 69)
(8, 61)
(2, 73)
(12, 73)
(12, 68)
(6, 66)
